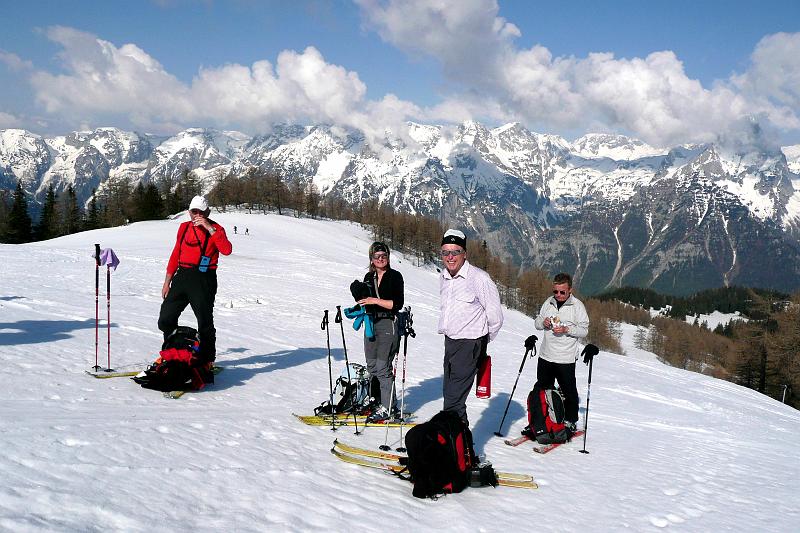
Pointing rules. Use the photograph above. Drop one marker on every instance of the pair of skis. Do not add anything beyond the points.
(544, 448)
(343, 419)
(173, 395)
(391, 462)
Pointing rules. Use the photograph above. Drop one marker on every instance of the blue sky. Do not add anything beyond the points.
(665, 72)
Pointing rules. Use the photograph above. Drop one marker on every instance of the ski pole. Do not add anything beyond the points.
(324, 327)
(338, 320)
(530, 345)
(588, 357)
(96, 366)
(108, 315)
(409, 330)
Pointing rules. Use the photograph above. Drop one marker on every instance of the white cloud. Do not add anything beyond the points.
(487, 75)
(101, 79)
(466, 36)
(14, 62)
(652, 98)
(8, 120)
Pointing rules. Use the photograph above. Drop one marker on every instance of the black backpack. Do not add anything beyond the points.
(546, 416)
(441, 459)
(350, 394)
(183, 337)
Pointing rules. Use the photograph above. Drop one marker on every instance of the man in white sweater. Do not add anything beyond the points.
(564, 320)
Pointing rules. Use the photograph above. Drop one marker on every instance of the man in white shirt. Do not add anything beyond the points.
(471, 316)
(564, 320)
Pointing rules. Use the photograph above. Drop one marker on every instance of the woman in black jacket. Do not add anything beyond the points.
(386, 289)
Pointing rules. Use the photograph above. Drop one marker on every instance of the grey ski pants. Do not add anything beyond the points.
(460, 367)
(380, 353)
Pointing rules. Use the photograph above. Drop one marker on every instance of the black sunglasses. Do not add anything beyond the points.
(454, 253)
(559, 292)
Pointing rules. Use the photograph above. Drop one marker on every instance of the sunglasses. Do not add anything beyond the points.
(453, 253)
(380, 255)
(195, 211)
(559, 292)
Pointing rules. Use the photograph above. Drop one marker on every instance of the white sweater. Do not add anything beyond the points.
(562, 348)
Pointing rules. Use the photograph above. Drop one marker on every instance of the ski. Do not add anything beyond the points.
(175, 394)
(550, 447)
(394, 460)
(519, 440)
(102, 374)
(344, 422)
(326, 419)
(398, 468)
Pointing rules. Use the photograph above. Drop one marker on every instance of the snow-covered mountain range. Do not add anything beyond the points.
(611, 209)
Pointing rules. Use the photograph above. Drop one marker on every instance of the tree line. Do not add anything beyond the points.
(117, 203)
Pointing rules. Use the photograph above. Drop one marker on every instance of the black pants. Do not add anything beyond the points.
(198, 289)
(461, 358)
(548, 372)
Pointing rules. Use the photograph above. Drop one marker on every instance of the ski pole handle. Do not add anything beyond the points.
(338, 318)
(324, 321)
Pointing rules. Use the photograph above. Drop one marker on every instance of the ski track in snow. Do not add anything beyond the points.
(669, 449)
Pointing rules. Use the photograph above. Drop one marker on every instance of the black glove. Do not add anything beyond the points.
(530, 342)
(589, 352)
(359, 290)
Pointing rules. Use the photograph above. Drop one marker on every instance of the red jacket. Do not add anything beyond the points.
(190, 241)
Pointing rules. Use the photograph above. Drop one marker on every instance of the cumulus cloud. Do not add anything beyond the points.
(102, 79)
(652, 98)
(488, 77)
(466, 36)
(8, 120)
(14, 62)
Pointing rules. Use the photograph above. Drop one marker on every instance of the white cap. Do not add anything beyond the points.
(455, 233)
(199, 202)
(453, 236)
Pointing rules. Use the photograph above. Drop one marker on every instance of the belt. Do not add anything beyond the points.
(384, 314)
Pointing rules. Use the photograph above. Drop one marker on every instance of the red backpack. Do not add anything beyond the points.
(177, 366)
(546, 416)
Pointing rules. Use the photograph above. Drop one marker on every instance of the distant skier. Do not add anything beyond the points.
(246, 231)
(564, 320)
(192, 277)
(470, 317)
(234, 230)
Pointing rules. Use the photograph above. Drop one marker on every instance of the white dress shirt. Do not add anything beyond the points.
(469, 304)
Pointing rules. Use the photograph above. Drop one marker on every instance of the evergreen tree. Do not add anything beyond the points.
(172, 202)
(19, 221)
(5, 209)
(71, 213)
(48, 222)
(93, 214)
(152, 207)
(188, 187)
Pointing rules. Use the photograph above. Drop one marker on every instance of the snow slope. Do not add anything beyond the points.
(669, 448)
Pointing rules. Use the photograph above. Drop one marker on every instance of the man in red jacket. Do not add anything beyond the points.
(192, 276)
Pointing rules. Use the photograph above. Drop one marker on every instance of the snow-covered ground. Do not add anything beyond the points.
(715, 318)
(669, 448)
